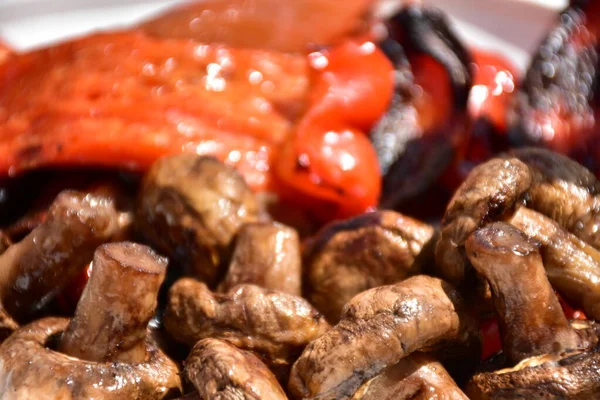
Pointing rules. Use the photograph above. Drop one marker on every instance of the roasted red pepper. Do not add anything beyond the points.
(329, 162)
(124, 99)
(4, 52)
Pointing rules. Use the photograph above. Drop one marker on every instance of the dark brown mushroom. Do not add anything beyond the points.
(380, 327)
(535, 332)
(361, 253)
(572, 266)
(416, 377)
(35, 269)
(491, 190)
(274, 324)
(531, 319)
(544, 181)
(190, 207)
(563, 190)
(268, 255)
(104, 351)
(221, 371)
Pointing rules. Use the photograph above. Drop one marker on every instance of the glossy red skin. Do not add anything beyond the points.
(493, 89)
(124, 99)
(329, 162)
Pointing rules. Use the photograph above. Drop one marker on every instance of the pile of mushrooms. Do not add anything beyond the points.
(240, 306)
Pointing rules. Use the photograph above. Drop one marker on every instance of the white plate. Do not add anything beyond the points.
(512, 27)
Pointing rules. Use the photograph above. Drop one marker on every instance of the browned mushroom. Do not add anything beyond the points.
(108, 354)
(491, 190)
(190, 207)
(219, 370)
(35, 269)
(367, 251)
(116, 305)
(378, 328)
(544, 181)
(416, 377)
(565, 191)
(572, 266)
(274, 324)
(268, 255)
(556, 359)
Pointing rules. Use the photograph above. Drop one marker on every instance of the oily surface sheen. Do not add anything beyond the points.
(378, 328)
(565, 191)
(575, 376)
(29, 370)
(367, 251)
(275, 324)
(490, 190)
(34, 270)
(190, 207)
(267, 254)
(124, 99)
(219, 370)
(417, 377)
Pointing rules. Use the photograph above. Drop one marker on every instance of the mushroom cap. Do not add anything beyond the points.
(569, 375)
(29, 369)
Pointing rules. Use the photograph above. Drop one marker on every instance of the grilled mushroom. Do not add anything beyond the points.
(380, 327)
(416, 377)
(35, 269)
(426, 123)
(219, 370)
(268, 255)
(544, 181)
(274, 324)
(374, 249)
(190, 207)
(104, 351)
(556, 359)
(572, 266)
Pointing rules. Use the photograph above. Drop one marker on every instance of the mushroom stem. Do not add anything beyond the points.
(418, 376)
(116, 305)
(34, 270)
(572, 266)
(531, 319)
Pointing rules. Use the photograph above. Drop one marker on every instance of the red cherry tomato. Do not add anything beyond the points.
(68, 299)
(329, 165)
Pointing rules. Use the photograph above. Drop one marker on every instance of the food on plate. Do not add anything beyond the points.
(383, 325)
(426, 127)
(556, 105)
(304, 199)
(276, 325)
(190, 207)
(104, 350)
(266, 254)
(416, 376)
(373, 249)
(218, 370)
(553, 357)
